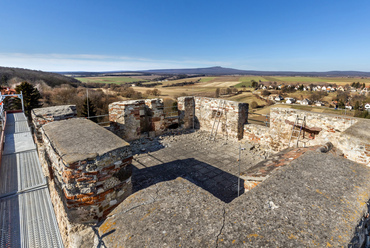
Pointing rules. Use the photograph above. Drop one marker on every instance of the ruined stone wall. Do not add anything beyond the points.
(84, 186)
(319, 129)
(131, 119)
(41, 116)
(186, 107)
(91, 188)
(125, 118)
(258, 134)
(232, 116)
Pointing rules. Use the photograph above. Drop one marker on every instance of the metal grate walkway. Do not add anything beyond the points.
(27, 217)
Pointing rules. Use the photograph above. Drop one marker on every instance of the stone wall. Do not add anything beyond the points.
(89, 171)
(131, 119)
(231, 115)
(41, 116)
(319, 129)
(186, 107)
(258, 134)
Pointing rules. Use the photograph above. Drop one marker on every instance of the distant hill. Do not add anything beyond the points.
(218, 70)
(10, 75)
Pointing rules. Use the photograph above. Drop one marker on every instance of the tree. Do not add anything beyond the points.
(4, 80)
(88, 109)
(254, 105)
(357, 105)
(217, 93)
(254, 83)
(31, 97)
(265, 93)
(156, 92)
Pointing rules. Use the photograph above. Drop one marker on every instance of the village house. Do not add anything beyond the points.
(289, 100)
(348, 106)
(341, 88)
(305, 102)
(278, 98)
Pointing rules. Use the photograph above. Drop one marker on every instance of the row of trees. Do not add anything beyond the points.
(225, 91)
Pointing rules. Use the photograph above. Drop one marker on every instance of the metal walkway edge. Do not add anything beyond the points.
(27, 217)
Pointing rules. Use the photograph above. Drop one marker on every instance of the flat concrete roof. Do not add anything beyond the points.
(79, 139)
(315, 201)
(55, 110)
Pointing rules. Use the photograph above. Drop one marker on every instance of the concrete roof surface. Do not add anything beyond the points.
(317, 200)
(79, 139)
(55, 110)
(360, 130)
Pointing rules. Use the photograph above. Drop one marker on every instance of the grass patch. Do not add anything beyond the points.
(250, 78)
(206, 79)
(246, 84)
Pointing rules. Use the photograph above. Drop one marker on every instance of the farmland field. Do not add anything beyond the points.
(207, 87)
(227, 81)
(109, 80)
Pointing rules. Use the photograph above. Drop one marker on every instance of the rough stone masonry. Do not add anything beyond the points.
(41, 116)
(89, 172)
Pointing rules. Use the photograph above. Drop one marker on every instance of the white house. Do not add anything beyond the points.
(367, 106)
(348, 106)
(290, 100)
(278, 98)
(305, 102)
(319, 104)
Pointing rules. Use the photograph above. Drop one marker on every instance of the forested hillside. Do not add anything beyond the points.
(10, 76)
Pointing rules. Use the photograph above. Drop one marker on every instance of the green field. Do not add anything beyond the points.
(239, 81)
(246, 84)
(109, 80)
(207, 79)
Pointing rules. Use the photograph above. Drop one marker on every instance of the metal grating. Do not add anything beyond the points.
(13, 117)
(27, 217)
(18, 142)
(16, 127)
(30, 170)
(38, 223)
(8, 175)
(9, 222)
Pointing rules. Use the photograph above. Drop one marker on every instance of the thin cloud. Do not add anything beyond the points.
(94, 62)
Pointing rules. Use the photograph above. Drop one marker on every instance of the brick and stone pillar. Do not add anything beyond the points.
(186, 107)
(127, 118)
(155, 112)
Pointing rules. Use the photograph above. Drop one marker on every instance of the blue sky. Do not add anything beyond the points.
(135, 35)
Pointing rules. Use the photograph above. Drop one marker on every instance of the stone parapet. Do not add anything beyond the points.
(41, 116)
(131, 119)
(186, 107)
(90, 166)
(348, 134)
(229, 116)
